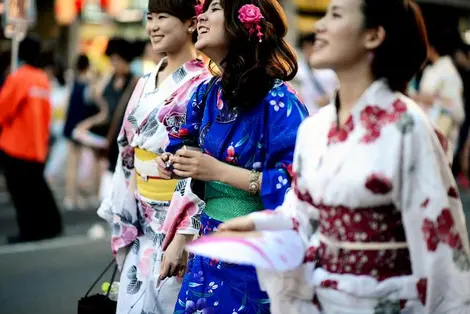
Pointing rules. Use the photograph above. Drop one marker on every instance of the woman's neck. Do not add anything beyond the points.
(353, 83)
(177, 59)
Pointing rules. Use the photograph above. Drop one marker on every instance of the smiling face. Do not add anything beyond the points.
(341, 38)
(212, 39)
(168, 33)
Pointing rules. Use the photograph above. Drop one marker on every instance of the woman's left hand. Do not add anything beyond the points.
(197, 165)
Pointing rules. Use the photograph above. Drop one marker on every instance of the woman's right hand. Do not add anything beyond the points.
(244, 223)
(163, 168)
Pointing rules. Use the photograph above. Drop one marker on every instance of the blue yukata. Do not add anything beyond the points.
(260, 138)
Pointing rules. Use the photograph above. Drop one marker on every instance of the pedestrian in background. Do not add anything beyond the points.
(25, 118)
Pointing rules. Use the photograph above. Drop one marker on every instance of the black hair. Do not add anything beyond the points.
(30, 50)
(251, 67)
(82, 63)
(122, 48)
(405, 47)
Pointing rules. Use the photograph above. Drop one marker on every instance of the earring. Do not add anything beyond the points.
(191, 30)
(370, 56)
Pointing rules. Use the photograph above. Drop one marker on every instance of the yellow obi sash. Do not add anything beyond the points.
(149, 184)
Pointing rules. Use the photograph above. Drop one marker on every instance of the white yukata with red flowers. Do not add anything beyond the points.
(141, 227)
(378, 210)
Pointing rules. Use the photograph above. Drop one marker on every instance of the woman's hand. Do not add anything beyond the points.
(244, 223)
(175, 258)
(194, 164)
(163, 165)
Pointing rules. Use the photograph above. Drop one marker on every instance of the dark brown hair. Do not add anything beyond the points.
(251, 67)
(405, 48)
(182, 9)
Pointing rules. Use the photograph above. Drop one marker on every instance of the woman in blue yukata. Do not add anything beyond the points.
(243, 125)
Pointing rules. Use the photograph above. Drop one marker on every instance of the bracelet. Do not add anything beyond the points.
(253, 187)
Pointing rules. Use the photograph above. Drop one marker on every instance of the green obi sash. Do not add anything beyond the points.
(224, 202)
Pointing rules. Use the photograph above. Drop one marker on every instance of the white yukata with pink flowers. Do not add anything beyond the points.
(141, 226)
(379, 213)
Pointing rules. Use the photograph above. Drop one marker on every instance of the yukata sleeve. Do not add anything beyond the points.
(188, 133)
(297, 211)
(292, 291)
(184, 213)
(285, 113)
(434, 222)
(124, 171)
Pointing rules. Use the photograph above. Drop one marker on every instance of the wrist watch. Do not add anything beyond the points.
(253, 187)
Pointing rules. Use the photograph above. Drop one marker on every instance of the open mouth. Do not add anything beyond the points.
(202, 30)
(319, 43)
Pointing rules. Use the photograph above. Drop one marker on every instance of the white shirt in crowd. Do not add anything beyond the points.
(313, 84)
(442, 80)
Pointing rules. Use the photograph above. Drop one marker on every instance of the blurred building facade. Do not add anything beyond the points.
(94, 21)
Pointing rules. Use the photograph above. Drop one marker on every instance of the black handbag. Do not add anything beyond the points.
(99, 303)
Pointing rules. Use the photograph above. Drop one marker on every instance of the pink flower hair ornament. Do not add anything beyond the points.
(199, 8)
(251, 17)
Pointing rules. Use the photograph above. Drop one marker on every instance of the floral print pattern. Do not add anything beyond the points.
(248, 139)
(211, 286)
(405, 198)
(142, 226)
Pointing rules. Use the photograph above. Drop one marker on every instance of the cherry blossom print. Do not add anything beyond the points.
(310, 255)
(421, 287)
(340, 134)
(453, 192)
(441, 231)
(303, 196)
(332, 284)
(430, 235)
(200, 306)
(442, 139)
(281, 182)
(374, 118)
(378, 184)
(277, 105)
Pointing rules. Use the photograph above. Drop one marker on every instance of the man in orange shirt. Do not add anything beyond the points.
(25, 117)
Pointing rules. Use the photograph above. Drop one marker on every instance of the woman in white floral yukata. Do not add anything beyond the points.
(149, 234)
(373, 198)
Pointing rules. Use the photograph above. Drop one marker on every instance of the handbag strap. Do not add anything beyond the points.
(101, 276)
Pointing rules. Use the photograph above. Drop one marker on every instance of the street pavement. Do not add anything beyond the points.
(51, 276)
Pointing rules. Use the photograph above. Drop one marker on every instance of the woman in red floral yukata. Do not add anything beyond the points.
(373, 199)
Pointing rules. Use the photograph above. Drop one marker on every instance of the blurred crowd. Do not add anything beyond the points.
(88, 107)
(84, 104)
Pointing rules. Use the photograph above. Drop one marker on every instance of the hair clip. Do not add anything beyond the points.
(250, 15)
(199, 8)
